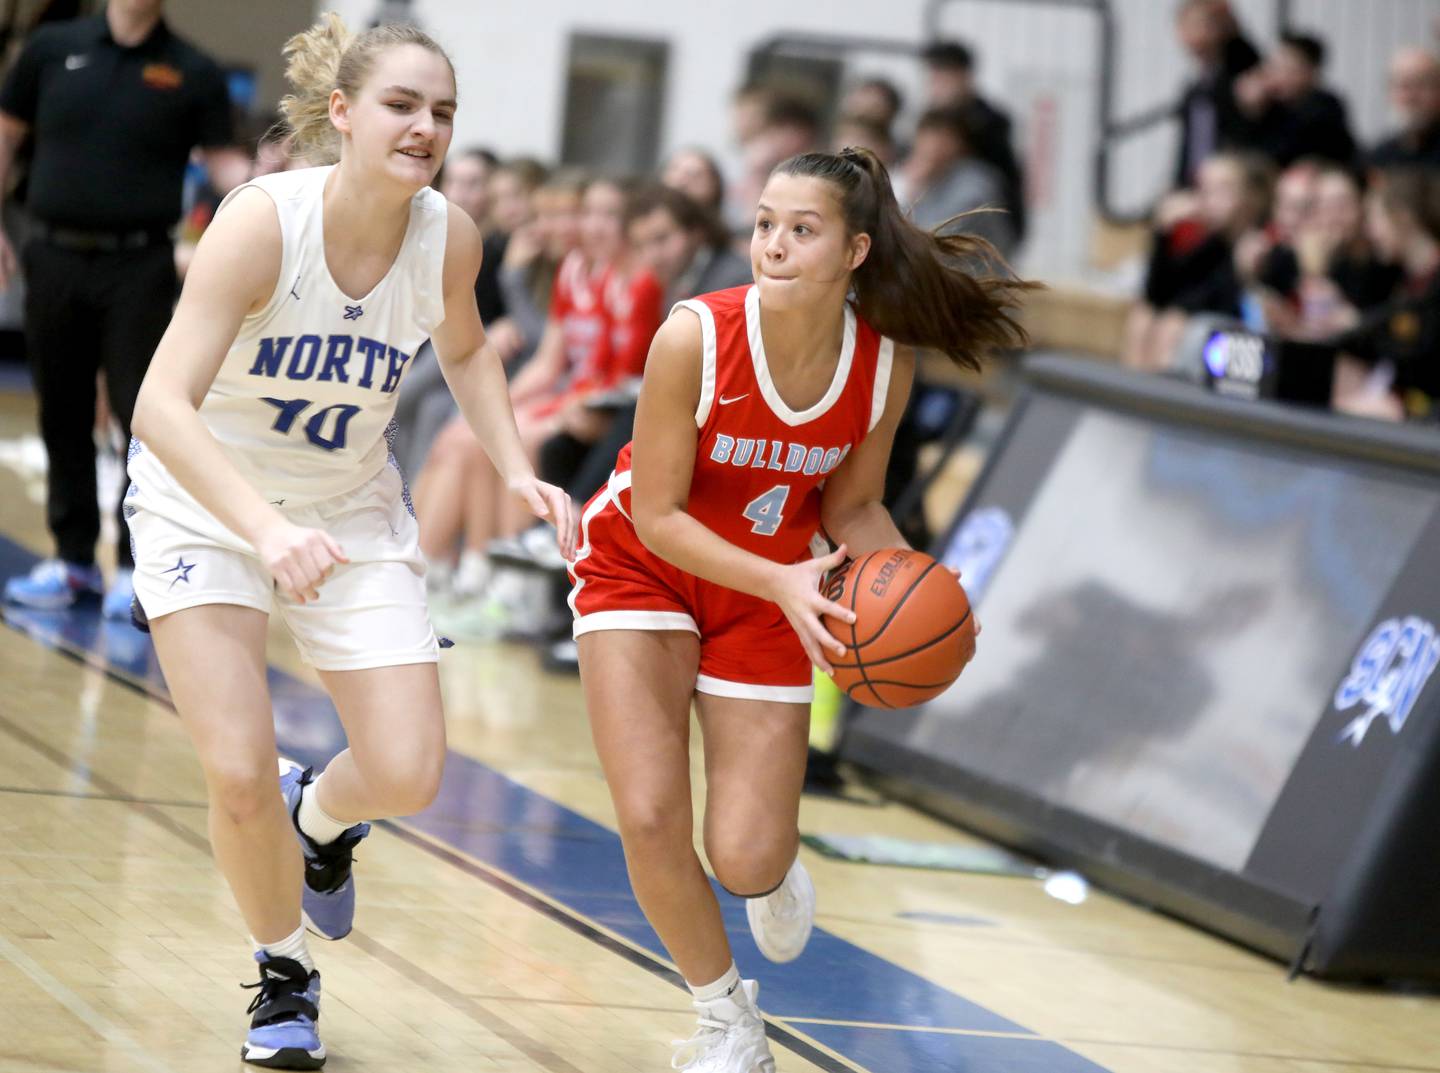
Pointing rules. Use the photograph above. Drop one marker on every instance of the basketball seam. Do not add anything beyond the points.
(855, 644)
(910, 652)
(908, 685)
(898, 603)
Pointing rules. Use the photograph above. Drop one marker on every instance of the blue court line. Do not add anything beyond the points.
(578, 864)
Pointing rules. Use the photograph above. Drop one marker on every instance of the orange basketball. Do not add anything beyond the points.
(913, 631)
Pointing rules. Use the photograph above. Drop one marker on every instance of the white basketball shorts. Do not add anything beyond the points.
(372, 610)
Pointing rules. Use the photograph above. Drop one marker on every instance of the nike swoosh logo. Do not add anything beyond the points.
(726, 402)
(74, 63)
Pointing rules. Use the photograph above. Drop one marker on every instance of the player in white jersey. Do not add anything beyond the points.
(261, 481)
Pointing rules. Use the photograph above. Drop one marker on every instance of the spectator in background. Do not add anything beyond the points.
(533, 257)
(862, 133)
(874, 100)
(454, 508)
(943, 178)
(465, 181)
(1415, 94)
(1192, 268)
(113, 106)
(791, 127)
(1321, 282)
(1262, 255)
(1209, 117)
(499, 195)
(749, 112)
(677, 241)
(950, 73)
(1393, 366)
(512, 192)
(1286, 114)
(695, 174)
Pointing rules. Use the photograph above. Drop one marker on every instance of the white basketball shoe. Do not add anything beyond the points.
(781, 921)
(730, 1037)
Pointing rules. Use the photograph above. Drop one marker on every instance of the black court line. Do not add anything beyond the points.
(126, 799)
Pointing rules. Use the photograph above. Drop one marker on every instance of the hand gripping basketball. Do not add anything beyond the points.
(912, 630)
(797, 591)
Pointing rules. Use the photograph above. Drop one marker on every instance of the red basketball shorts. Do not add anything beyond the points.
(747, 647)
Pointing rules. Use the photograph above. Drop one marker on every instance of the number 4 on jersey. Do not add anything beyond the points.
(767, 510)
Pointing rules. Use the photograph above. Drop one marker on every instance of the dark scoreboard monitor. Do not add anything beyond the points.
(1245, 365)
(1208, 632)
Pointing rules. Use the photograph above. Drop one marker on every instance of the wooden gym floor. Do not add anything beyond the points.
(496, 931)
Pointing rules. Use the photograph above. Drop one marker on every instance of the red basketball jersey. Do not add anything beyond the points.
(759, 465)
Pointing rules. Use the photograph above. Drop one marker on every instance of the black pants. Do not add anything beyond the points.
(584, 468)
(85, 312)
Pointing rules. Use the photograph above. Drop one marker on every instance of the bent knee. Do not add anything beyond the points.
(750, 866)
(405, 786)
(240, 792)
(650, 827)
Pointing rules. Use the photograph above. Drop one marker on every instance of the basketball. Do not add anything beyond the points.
(913, 631)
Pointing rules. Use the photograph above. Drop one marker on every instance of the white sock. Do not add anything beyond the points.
(719, 989)
(315, 821)
(292, 946)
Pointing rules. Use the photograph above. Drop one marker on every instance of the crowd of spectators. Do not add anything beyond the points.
(1281, 221)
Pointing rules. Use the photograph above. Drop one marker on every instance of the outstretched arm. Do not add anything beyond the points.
(476, 377)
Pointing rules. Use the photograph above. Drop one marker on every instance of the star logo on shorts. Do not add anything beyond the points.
(181, 570)
(354, 312)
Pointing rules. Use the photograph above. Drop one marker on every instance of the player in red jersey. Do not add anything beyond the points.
(766, 417)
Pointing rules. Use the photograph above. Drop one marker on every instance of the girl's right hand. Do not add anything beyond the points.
(797, 590)
(299, 559)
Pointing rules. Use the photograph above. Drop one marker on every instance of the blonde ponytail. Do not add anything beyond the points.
(328, 57)
(312, 66)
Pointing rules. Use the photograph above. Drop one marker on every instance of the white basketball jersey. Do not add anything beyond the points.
(308, 388)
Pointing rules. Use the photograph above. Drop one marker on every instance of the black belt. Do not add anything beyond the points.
(82, 240)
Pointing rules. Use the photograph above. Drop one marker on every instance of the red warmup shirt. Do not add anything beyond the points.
(576, 304)
(632, 308)
(759, 466)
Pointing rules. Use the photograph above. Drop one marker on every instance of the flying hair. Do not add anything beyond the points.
(947, 292)
(327, 57)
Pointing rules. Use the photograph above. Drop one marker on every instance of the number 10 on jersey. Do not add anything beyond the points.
(767, 510)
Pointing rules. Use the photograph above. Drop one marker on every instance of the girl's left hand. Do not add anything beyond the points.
(956, 571)
(554, 506)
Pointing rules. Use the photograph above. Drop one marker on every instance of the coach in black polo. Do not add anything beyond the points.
(114, 105)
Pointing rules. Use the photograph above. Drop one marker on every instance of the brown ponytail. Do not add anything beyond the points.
(952, 293)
